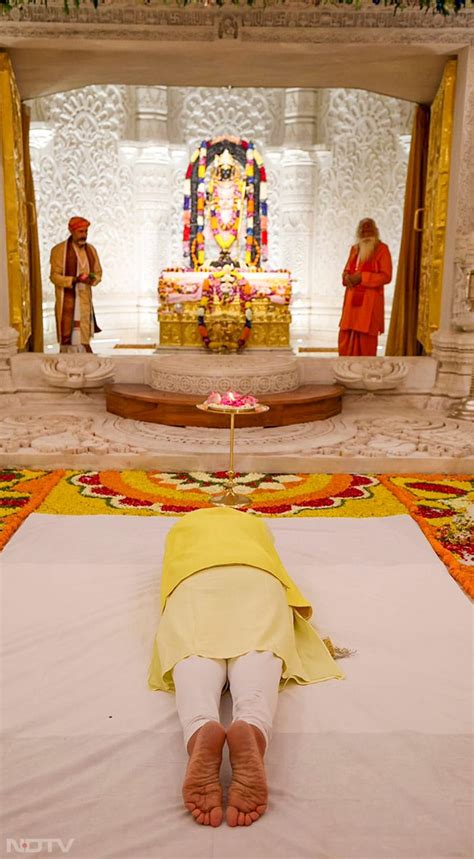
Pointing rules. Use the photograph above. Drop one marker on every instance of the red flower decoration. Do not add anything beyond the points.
(436, 487)
(430, 512)
(90, 479)
(14, 502)
(277, 508)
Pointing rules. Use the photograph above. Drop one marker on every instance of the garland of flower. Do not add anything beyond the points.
(254, 163)
(198, 245)
(211, 288)
(263, 207)
(252, 242)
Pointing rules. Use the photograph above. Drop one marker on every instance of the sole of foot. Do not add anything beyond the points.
(248, 792)
(202, 792)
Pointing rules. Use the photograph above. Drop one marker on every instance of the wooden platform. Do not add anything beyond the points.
(143, 403)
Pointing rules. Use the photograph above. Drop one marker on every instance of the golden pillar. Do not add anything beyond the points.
(15, 202)
(436, 207)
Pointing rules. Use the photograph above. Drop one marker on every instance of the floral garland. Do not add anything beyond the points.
(252, 242)
(234, 285)
(254, 163)
(198, 244)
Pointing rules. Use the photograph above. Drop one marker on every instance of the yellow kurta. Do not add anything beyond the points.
(230, 606)
(217, 536)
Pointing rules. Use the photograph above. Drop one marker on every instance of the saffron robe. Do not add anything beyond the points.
(363, 308)
(64, 268)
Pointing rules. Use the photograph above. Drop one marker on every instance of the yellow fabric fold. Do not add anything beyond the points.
(214, 537)
(224, 612)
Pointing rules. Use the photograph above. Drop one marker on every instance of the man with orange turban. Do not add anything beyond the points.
(75, 269)
(367, 270)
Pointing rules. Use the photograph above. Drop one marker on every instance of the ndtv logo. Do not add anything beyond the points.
(36, 845)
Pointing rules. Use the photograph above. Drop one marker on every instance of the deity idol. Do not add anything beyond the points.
(224, 221)
(225, 206)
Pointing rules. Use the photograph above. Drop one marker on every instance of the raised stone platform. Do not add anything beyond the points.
(140, 402)
(200, 373)
(395, 418)
(373, 434)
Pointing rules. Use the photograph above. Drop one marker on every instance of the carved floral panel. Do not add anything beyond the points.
(79, 173)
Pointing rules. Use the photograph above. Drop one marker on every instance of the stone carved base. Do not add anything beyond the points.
(77, 371)
(374, 434)
(371, 374)
(455, 355)
(247, 374)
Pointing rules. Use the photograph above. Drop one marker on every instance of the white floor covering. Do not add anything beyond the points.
(372, 767)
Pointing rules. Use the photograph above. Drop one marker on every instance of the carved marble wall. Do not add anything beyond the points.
(117, 155)
(77, 170)
(363, 174)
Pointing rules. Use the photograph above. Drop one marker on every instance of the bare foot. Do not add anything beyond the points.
(248, 793)
(202, 792)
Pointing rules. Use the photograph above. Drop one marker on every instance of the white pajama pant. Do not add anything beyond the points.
(254, 680)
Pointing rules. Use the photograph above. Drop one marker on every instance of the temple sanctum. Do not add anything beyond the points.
(223, 216)
(225, 288)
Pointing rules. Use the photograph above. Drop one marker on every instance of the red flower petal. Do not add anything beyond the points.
(436, 487)
(14, 502)
(431, 512)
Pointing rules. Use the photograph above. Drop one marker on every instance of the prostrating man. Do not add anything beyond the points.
(367, 270)
(230, 614)
(75, 269)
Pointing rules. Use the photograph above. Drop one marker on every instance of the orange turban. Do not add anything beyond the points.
(76, 223)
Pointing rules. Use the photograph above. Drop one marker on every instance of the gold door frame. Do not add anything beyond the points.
(436, 207)
(15, 202)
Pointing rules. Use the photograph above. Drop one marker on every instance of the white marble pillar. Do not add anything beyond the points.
(297, 201)
(151, 161)
(151, 113)
(453, 343)
(151, 175)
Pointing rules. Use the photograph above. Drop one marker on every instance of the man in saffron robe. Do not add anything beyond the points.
(75, 269)
(366, 272)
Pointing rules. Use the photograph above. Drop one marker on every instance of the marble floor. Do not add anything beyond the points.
(372, 434)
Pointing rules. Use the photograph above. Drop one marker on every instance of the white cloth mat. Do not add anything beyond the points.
(372, 767)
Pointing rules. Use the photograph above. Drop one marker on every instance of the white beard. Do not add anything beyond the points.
(367, 248)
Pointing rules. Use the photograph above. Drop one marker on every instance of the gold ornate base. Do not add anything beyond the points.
(270, 326)
(229, 498)
(224, 310)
